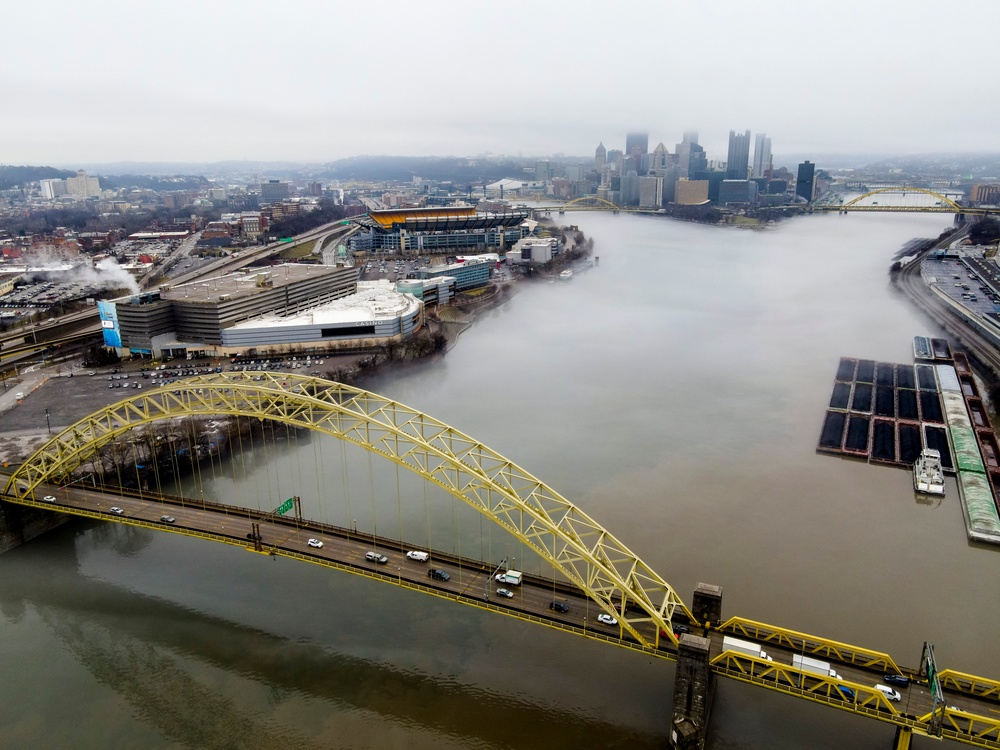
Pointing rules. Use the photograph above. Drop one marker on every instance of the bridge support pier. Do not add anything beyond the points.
(19, 524)
(694, 682)
(707, 604)
(694, 687)
(903, 738)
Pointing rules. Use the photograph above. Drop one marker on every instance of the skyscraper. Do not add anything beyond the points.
(636, 144)
(600, 155)
(762, 156)
(698, 162)
(739, 156)
(805, 182)
(660, 161)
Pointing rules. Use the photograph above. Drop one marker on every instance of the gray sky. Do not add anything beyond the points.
(100, 81)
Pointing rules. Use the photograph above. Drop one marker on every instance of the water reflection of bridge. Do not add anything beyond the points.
(591, 572)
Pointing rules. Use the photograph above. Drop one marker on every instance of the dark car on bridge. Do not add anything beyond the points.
(438, 574)
(559, 606)
(896, 679)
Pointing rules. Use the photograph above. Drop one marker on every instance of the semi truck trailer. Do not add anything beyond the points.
(747, 648)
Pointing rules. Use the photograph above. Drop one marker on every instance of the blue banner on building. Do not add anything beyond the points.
(109, 323)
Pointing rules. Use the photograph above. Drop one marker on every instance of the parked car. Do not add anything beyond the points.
(418, 556)
(116, 510)
(315, 543)
(376, 557)
(167, 519)
(559, 606)
(438, 574)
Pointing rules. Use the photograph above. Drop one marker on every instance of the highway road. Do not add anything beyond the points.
(911, 283)
(470, 580)
(253, 254)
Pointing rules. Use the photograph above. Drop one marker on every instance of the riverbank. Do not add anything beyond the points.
(52, 403)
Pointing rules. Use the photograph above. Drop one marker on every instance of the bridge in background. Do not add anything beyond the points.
(595, 574)
(865, 203)
(875, 201)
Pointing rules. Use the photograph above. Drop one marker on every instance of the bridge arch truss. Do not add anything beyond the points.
(585, 552)
(946, 202)
(590, 203)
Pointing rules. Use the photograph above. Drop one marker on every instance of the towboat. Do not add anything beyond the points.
(928, 478)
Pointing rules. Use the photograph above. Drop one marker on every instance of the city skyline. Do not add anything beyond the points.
(107, 83)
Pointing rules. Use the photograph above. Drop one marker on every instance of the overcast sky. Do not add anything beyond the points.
(95, 81)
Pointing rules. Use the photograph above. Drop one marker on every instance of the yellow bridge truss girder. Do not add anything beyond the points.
(968, 728)
(539, 517)
(943, 198)
(787, 678)
(956, 724)
(981, 687)
(810, 645)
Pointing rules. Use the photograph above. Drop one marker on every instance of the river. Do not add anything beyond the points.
(675, 392)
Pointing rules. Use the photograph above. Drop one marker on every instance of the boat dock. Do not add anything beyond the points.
(889, 413)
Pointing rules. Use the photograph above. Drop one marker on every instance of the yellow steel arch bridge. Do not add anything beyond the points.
(587, 554)
(593, 203)
(538, 516)
(866, 203)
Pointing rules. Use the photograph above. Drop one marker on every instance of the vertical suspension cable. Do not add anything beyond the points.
(399, 510)
(427, 514)
(347, 489)
(371, 488)
(320, 500)
(155, 458)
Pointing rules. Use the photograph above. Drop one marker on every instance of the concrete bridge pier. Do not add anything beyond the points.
(694, 686)
(903, 738)
(694, 682)
(19, 524)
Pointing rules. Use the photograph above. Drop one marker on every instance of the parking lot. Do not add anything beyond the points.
(972, 281)
(71, 392)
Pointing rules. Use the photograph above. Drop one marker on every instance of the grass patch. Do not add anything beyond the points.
(744, 220)
(300, 250)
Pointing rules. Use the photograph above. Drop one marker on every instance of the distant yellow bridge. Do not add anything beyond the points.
(866, 202)
(862, 203)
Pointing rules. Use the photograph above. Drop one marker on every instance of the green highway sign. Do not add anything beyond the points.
(287, 239)
(286, 506)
